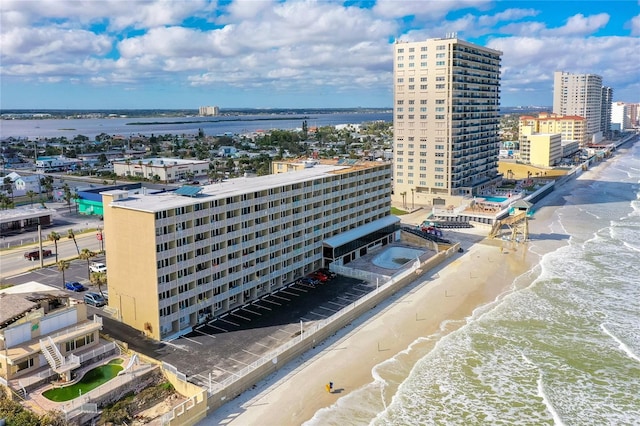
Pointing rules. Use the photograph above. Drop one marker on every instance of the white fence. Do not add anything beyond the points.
(272, 357)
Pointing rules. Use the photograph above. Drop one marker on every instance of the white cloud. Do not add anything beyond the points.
(50, 46)
(118, 13)
(424, 9)
(635, 25)
(581, 25)
(529, 62)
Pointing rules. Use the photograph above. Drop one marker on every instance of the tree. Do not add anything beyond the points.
(8, 186)
(87, 255)
(67, 195)
(99, 279)
(63, 265)
(72, 236)
(55, 237)
(31, 194)
(5, 202)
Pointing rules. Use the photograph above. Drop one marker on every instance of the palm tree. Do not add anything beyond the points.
(63, 265)
(87, 255)
(72, 236)
(99, 279)
(30, 194)
(55, 237)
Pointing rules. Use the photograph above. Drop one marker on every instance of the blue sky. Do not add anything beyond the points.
(101, 54)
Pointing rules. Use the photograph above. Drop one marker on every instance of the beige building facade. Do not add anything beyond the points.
(178, 259)
(581, 95)
(570, 127)
(446, 117)
(540, 149)
(161, 169)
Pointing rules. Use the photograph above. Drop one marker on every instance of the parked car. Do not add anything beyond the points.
(35, 255)
(105, 294)
(319, 276)
(328, 273)
(94, 299)
(74, 286)
(98, 267)
(308, 281)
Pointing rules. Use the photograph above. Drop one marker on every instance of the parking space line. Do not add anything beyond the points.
(280, 297)
(252, 312)
(230, 322)
(191, 340)
(327, 309)
(317, 314)
(251, 353)
(284, 331)
(228, 372)
(206, 334)
(262, 307)
(240, 316)
(299, 289)
(216, 327)
(337, 304)
(235, 360)
(305, 319)
(347, 300)
(272, 302)
(258, 343)
(286, 292)
(274, 338)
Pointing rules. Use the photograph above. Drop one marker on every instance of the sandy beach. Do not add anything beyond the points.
(436, 304)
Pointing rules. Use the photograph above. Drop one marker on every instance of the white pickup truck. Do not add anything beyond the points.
(98, 267)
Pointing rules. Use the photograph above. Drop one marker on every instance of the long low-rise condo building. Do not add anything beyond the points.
(179, 258)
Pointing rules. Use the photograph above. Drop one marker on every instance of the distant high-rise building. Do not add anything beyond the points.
(634, 115)
(605, 113)
(446, 118)
(209, 110)
(581, 95)
(620, 116)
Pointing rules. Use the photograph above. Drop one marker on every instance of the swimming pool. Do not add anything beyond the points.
(396, 257)
(496, 199)
(91, 380)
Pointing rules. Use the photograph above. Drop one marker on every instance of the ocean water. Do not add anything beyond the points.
(562, 347)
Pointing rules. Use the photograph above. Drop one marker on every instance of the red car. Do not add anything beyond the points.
(319, 276)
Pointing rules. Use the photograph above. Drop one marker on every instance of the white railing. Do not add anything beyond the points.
(97, 352)
(313, 329)
(72, 359)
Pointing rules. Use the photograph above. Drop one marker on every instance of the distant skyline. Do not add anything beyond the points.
(59, 54)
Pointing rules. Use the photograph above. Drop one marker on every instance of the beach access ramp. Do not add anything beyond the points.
(517, 223)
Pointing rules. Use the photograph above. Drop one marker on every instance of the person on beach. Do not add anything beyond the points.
(328, 387)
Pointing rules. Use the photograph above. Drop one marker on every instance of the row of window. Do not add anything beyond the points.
(422, 48)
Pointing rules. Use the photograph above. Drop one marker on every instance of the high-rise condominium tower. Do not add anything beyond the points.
(581, 95)
(605, 111)
(446, 116)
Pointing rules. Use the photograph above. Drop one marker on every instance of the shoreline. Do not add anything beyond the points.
(433, 306)
(430, 308)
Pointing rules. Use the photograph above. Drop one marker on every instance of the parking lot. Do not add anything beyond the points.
(230, 343)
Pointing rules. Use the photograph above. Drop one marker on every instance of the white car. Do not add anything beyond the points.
(98, 267)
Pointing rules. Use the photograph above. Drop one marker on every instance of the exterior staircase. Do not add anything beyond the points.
(52, 353)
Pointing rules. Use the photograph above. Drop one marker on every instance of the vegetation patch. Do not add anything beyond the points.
(397, 212)
(126, 410)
